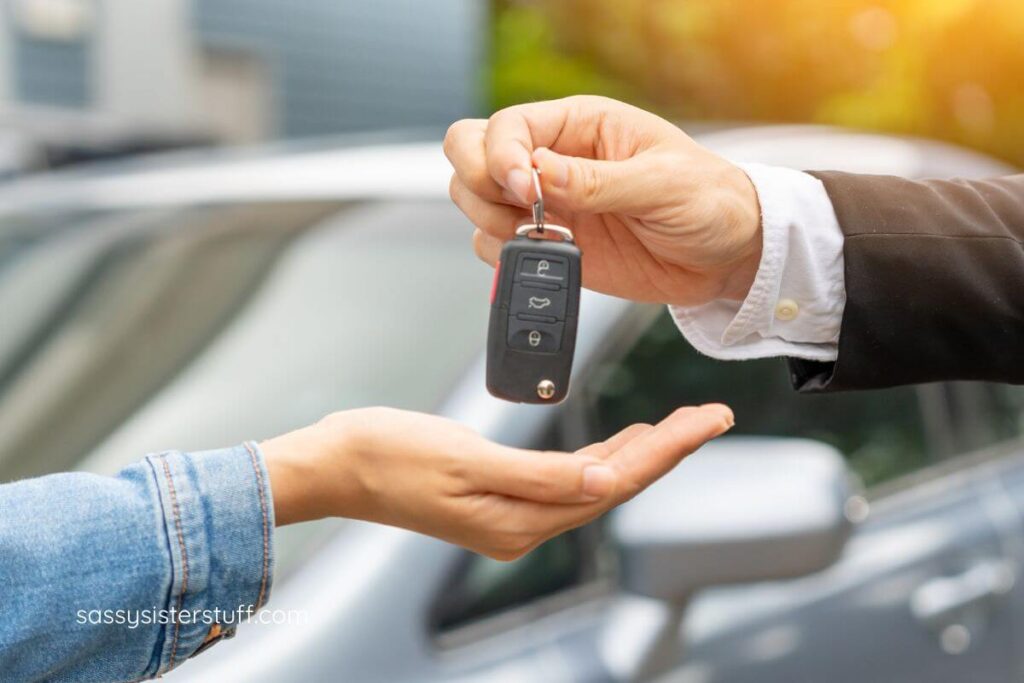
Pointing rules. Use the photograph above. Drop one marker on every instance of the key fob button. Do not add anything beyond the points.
(543, 269)
(538, 301)
(528, 335)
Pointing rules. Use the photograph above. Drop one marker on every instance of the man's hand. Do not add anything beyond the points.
(437, 477)
(658, 217)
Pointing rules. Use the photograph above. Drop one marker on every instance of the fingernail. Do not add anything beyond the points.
(556, 170)
(518, 183)
(723, 410)
(598, 481)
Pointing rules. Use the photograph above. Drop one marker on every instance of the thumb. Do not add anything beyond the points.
(584, 185)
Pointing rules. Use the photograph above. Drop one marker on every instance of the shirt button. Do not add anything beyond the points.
(786, 309)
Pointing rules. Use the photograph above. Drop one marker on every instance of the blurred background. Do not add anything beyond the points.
(195, 194)
(945, 69)
(90, 78)
(228, 71)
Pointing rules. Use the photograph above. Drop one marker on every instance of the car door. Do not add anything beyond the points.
(923, 591)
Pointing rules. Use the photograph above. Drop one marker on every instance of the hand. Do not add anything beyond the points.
(437, 477)
(658, 217)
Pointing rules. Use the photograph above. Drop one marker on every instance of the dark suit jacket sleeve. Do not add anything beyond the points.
(934, 283)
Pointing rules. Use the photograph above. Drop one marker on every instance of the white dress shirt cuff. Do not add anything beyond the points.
(795, 305)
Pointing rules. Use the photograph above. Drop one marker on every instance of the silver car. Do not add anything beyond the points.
(193, 301)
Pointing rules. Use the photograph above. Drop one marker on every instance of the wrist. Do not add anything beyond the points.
(744, 211)
(308, 471)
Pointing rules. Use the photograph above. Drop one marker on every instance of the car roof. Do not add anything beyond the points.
(417, 170)
(369, 168)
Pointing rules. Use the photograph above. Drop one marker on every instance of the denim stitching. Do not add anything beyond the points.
(184, 557)
(266, 534)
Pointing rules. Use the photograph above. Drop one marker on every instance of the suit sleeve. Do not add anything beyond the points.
(934, 274)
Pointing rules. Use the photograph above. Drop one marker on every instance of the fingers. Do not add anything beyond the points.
(486, 247)
(571, 183)
(606, 448)
(582, 185)
(647, 457)
(464, 147)
(551, 477)
(639, 454)
(542, 476)
(571, 126)
(511, 136)
(493, 157)
(496, 219)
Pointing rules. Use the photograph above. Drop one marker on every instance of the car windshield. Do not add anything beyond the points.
(202, 326)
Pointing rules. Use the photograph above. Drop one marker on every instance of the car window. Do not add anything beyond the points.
(140, 294)
(883, 433)
(482, 587)
(968, 416)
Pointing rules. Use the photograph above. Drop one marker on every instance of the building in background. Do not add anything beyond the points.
(239, 70)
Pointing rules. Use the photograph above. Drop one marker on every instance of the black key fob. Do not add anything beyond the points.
(534, 308)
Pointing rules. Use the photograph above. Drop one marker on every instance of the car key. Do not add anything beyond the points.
(534, 308)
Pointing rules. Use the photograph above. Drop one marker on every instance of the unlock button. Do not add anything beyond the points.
(527, 335)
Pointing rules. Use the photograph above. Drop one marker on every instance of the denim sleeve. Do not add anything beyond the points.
(123, 578)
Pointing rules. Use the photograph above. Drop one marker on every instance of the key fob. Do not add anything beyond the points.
(535, 304)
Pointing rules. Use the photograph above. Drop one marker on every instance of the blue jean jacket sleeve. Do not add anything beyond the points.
(123, 578)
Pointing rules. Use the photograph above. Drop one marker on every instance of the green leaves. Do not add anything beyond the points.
(949, 69)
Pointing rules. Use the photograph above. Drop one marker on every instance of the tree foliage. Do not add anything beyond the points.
(948, 69)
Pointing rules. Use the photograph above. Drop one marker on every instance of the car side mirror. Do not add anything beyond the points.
(741, 509)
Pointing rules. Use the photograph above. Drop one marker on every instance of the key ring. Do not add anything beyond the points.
(538, 215)
(538, 204)
(565, 233)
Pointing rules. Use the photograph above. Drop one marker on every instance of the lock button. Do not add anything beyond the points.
(531, 335)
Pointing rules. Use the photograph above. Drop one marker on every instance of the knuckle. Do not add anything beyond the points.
(478, 243)
(582, 104)
(332, 420)
(454, 188)
(589, 108)
(632, 489)
(505, 113)
(457, 466)
(484, 245)
(593, 100)
(451, 136)
(478, 180)
(449, 139)
(683, 411)
(589, 183)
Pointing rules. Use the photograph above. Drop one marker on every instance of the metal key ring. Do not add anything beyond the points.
(566, 233)
(538, 204)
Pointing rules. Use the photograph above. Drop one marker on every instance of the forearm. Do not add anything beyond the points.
(934, 273)
(98, 573)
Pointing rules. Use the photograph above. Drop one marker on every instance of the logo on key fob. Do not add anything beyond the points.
(534, 310)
